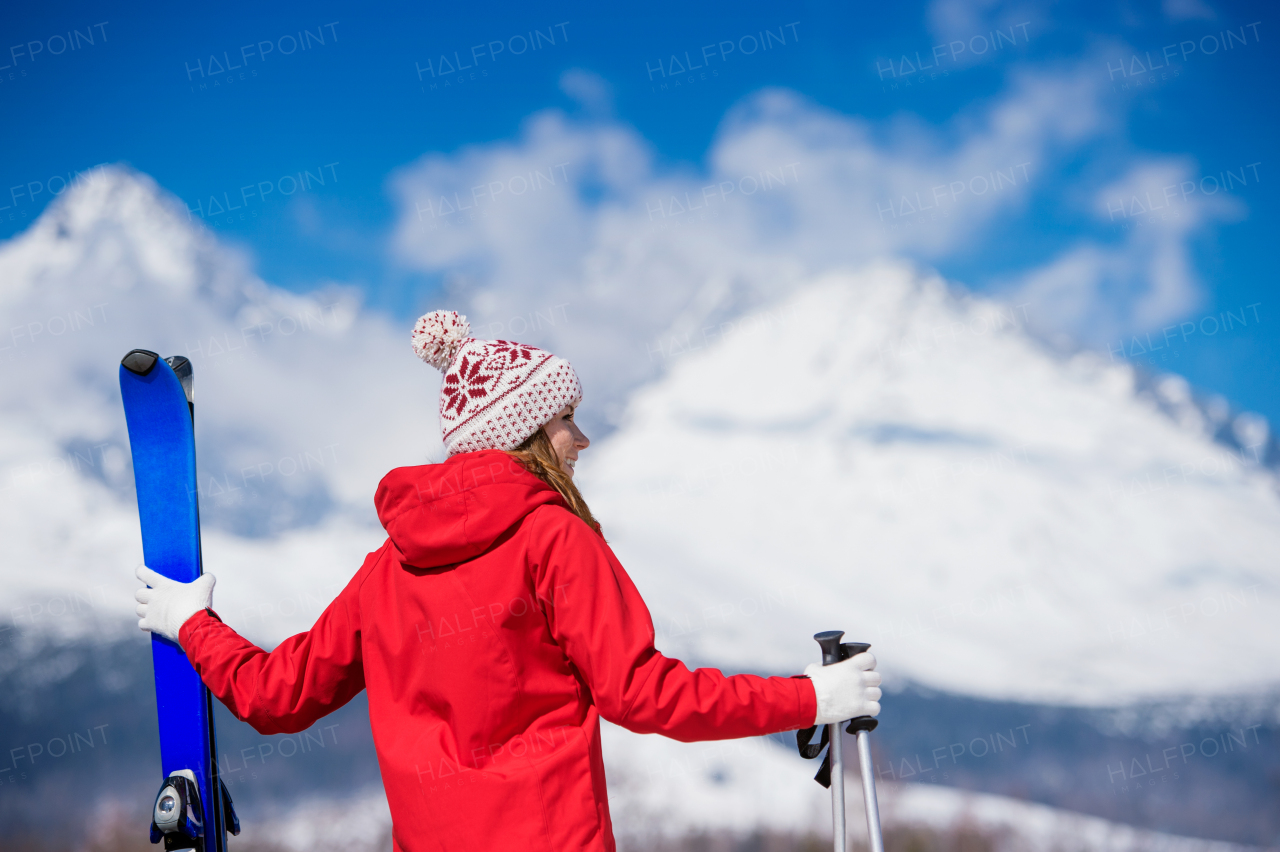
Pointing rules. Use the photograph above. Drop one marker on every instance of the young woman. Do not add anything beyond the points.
(493, 629)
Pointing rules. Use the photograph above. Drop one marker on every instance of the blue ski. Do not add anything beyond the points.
(193, 809)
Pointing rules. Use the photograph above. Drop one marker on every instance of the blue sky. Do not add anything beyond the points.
(353, 104)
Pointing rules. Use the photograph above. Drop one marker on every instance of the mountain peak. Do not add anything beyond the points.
(881, 454)
(115, 229)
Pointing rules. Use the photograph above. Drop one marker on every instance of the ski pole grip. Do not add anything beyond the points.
(862, 723)
(833, 650)
(853, 649)
(829, 641)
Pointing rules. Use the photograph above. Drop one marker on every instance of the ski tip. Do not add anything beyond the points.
(139, 361)
(182, 369)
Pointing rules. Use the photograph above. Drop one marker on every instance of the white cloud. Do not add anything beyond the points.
(577, 217)
(589, 89)
(1183, 10)
(1147, 277)
(964, 20)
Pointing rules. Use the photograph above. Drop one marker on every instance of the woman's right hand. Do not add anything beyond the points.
(846, 690)
(164, 605)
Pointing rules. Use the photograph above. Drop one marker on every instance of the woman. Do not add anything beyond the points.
(493, 629)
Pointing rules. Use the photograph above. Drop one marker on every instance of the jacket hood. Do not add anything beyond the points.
(442, 514)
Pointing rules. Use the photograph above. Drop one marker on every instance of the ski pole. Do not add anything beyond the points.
(829, 641)
(864, 725)
(833, 651)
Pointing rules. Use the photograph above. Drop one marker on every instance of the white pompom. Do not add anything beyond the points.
(438, 336)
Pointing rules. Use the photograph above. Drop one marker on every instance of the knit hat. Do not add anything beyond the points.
(495, 393)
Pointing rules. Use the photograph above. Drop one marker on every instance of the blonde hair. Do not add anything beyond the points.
(538, 457)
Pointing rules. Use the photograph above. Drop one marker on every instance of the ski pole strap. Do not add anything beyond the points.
(809, 750)
(804, 742)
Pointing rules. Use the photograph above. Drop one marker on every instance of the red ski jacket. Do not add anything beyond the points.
(493, 629)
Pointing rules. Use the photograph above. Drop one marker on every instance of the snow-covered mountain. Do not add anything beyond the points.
(875, 452)
(302, 404)
(882, 455)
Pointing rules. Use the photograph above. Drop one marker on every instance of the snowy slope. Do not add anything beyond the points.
(661, 789)
(664, 788)
(880, 455)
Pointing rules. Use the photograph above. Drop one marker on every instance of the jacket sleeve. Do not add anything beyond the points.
(306, 677)
(600, 621)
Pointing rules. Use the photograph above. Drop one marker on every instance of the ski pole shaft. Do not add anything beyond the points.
(832, 653)
(869, 792)
(837, 789)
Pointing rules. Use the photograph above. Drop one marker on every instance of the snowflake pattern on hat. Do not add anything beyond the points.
(495, 393)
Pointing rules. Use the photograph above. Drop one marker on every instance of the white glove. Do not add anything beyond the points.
(846, 690)
(166, 606)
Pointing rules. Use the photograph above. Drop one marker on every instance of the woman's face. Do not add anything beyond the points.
(566, 439)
